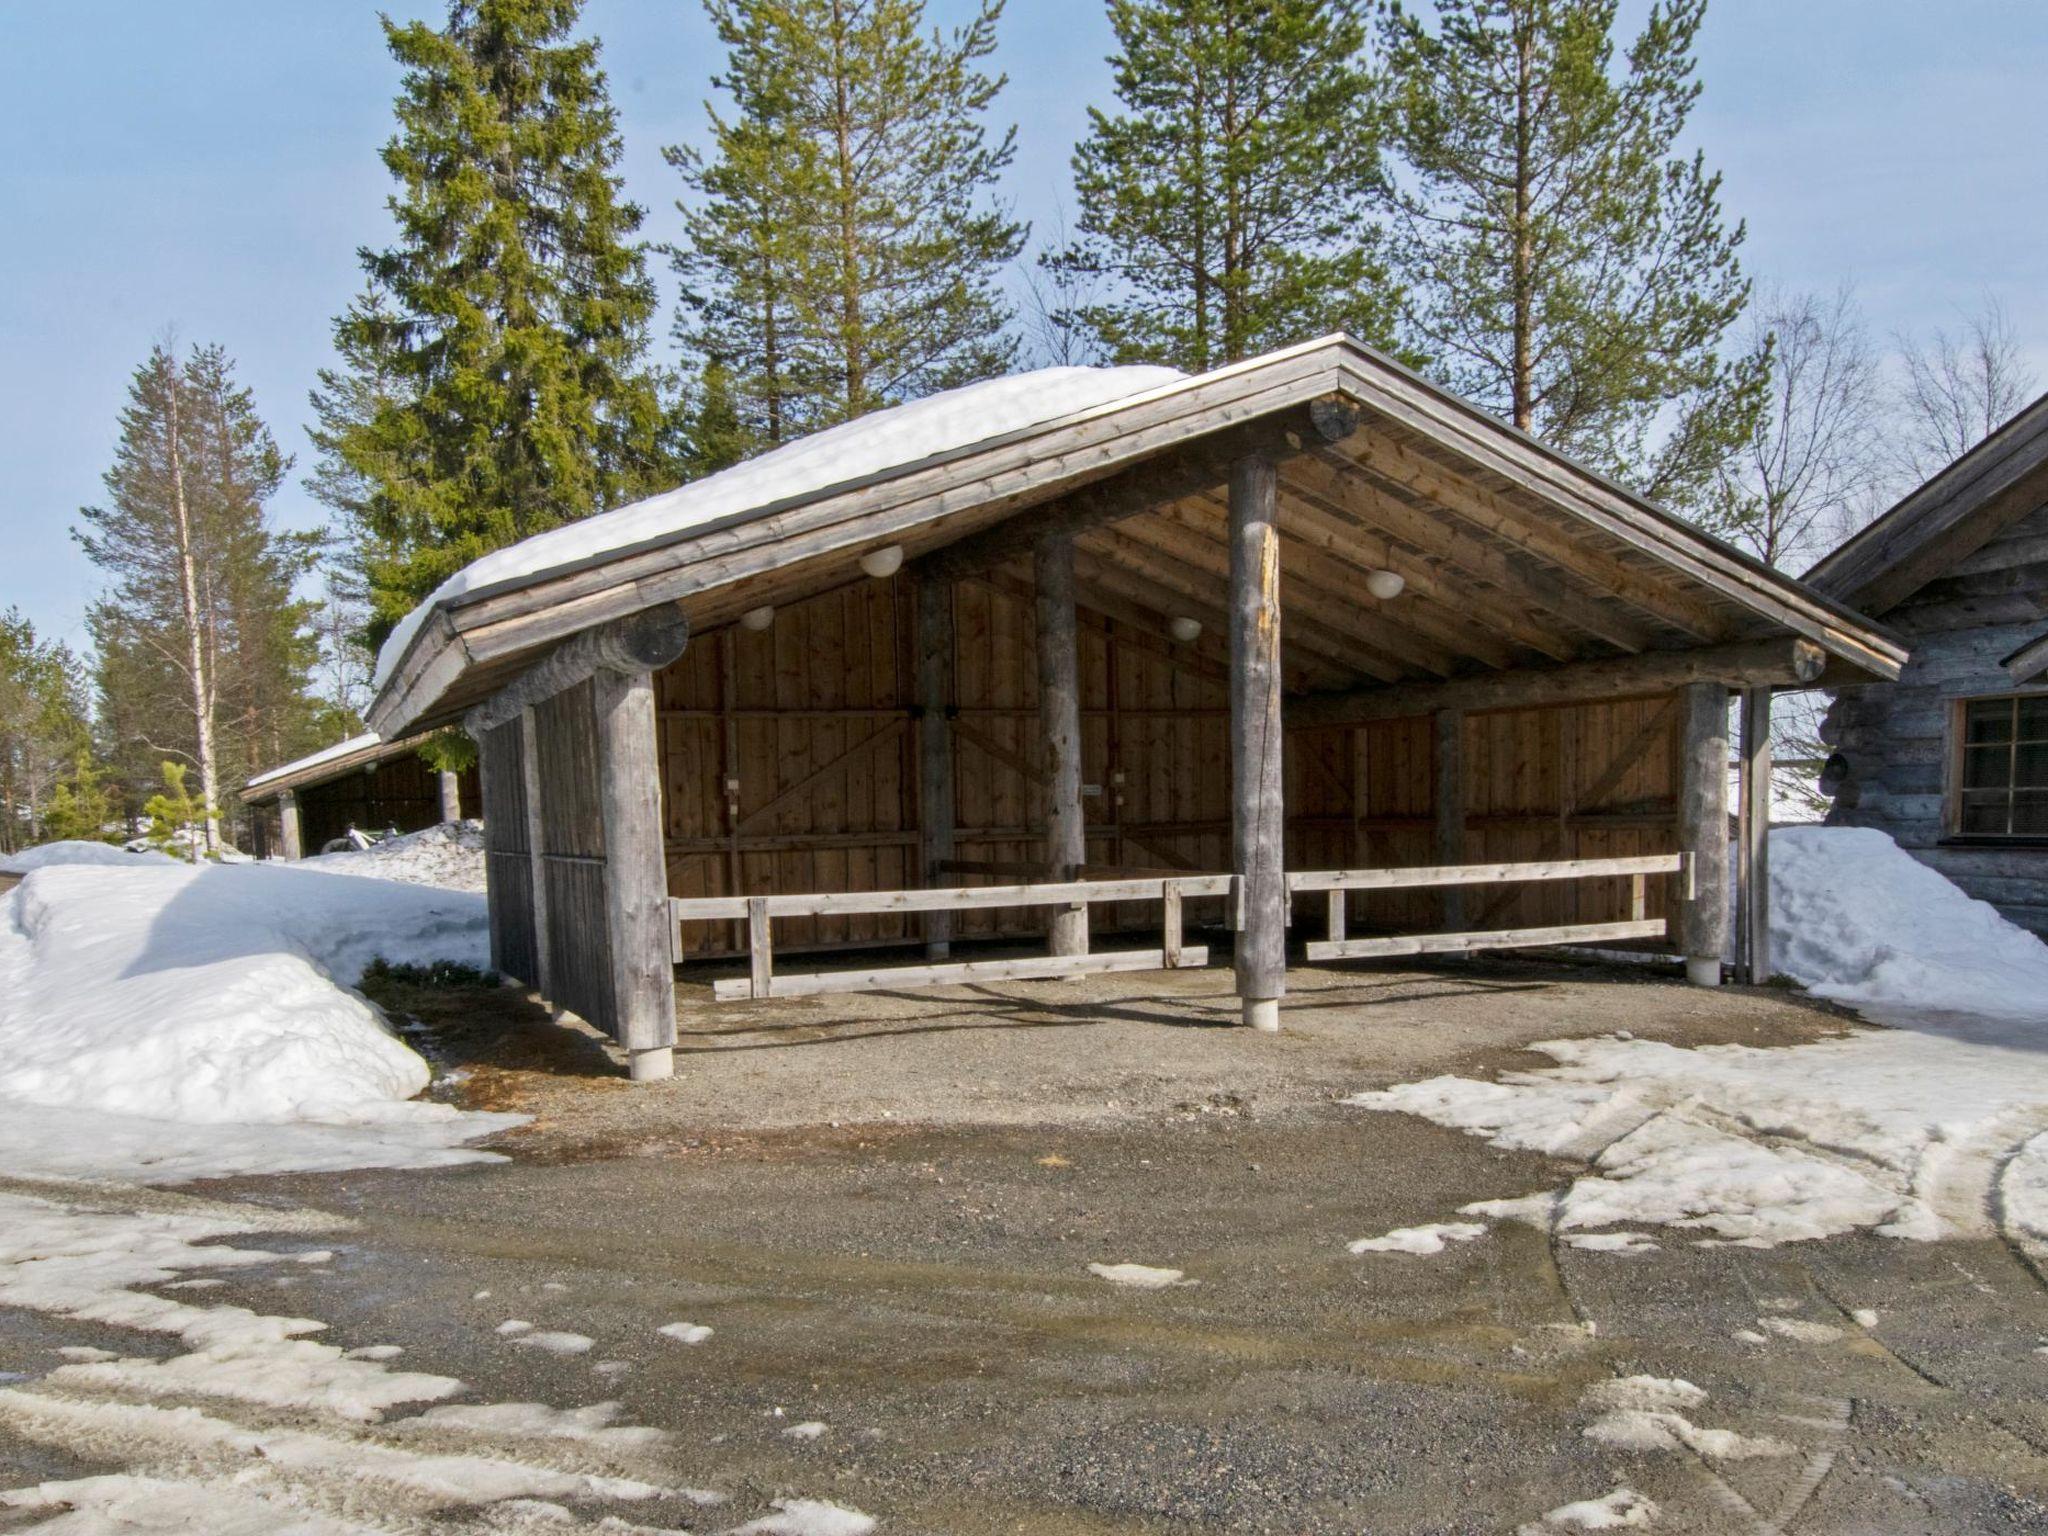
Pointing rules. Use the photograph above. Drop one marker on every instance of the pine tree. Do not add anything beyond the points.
(843, 248)
(1230, 201)
(494, 384)
(201, 645)
(1566, 266)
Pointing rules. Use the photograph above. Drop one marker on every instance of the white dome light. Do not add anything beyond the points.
(1186, 630)
(884, 562)
(1385, 584)
(758, 619)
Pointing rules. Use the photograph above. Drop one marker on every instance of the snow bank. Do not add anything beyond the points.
(885, 440)
(450, 855)
(205, 996)
(1857, 919)
(74, 851)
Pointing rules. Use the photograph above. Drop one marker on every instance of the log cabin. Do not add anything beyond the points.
(1951, 759)
(1066, 659)
(366, 783)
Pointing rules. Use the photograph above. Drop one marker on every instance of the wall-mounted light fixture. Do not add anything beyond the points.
(1385, 585)
(884, 562)
(1186, 630)
(758, 619)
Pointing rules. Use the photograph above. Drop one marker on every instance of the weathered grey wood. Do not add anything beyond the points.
(760, 948)
(935, 748)
(1335, 903)
(1753, 844)
(1744, 664)
(450, 785)
(639, 642)
(890, 979)
(1448, 776)
(1406, 878)
(1257, 789)
(1059, 710)
(691, 909)
(2029, 661)
(1703, 827)
(1172, 948)
(1506, 938)
(536, 843)
(288, 825)
(635, 874)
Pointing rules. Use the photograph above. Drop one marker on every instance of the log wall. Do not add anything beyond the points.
(1894, 744)
(572, 862)
(790, 765)
(508, 856)
(401, 792)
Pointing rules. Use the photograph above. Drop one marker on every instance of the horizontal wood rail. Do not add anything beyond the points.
(1336, 882)
(759, 913)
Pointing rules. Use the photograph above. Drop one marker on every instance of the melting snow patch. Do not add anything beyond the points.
(1429, 1239)
(808, 1517)
(557, 1342)
(810, 1429)
(1142, 1277)
(1623, 1509)
(1642, 1414)
(684, 1333)
(1864, 1317)
(1611, 1242)
(512, 1327)
(1800, 1329)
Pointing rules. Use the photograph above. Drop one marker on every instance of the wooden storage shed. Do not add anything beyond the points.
(366, 782)
(1951, 759)
(1094, 652)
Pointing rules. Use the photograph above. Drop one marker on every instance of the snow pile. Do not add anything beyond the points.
(885, 440)
(450, 855)
(217, 996)
(1857, 919)
(76, 851)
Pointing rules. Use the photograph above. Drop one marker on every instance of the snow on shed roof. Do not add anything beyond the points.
(895, 438)
(320, 759)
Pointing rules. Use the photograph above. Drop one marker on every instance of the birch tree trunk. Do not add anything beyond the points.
(198, 663)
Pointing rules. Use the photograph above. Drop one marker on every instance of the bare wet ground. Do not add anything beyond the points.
(914, 1277)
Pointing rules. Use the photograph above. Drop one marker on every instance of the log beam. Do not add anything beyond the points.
(635, 872)
(1257, 787)
(1746, 664)
(288, 825)
(935, 748)
(536, 851)
(1702, 927)
(1059, 707)
(640, 642)
(1753, 845)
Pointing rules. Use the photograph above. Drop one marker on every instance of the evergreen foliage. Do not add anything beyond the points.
(202, 651)
(843, 247)
(43, 732)
(1230, 202)
(493, 382)
(1565, 265)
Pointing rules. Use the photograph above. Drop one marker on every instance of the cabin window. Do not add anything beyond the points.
(2003, 784)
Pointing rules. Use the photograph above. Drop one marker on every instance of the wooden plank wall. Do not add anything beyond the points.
(573, 857)
(402, 792)
(813, 719)
(507, 855)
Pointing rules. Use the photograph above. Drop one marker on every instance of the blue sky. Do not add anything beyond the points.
(211, 165)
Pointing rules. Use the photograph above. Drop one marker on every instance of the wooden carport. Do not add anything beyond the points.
(1073, 647)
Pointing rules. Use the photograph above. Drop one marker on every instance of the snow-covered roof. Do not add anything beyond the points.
(343, 755)
(881, 441)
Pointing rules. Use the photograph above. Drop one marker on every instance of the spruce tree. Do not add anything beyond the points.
(1565, 265)
(843, 246)
(507, 329)
(1229, 203)
(43, 736)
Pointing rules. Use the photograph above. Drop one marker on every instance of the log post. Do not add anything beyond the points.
(451, 796)
(536, 849)
(636, 874)
(935, 748)
(1059, 710)
(1450, 808)
(1703, 828)
(1257, 797)
(1753, 847)
(288, 825)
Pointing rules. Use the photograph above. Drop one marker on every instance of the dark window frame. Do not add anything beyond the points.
(2005, 795)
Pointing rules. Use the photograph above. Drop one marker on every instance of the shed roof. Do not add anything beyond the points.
(1513, 554)
(350, 756)
(1943, 521)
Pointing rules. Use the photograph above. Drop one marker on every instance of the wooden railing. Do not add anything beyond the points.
(759, 914)
(1638, 925)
